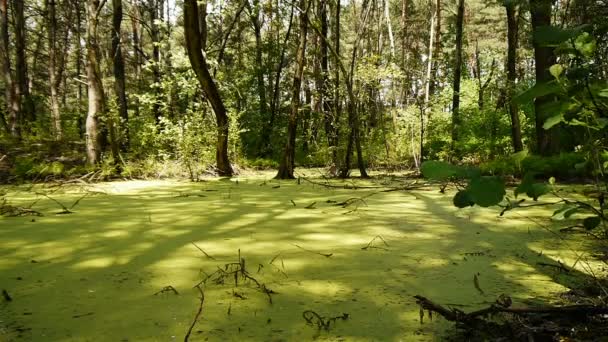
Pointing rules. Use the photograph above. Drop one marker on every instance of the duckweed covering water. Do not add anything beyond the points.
(92, 275)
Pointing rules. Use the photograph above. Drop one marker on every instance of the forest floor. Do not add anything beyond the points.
(98, 273)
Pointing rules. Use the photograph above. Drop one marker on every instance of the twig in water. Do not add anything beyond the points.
(476, 284)
(167, 289)
(6, 296)
(309, 251)
(559, 266)
(370, 244)
(321, 322)
(200, 249)
(198, 313)
(311, 206)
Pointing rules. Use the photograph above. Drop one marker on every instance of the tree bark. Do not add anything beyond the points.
(119, 75)
(96, 96)
(287, 165)
(254, 14)
(328, 104)
(136, 43)
(153, 9)
(457, 74)
(276, 94)
(22, 88)
(547, 141)
(54, 66)
(12, 100)
(199, 64)
(512, 33)
(436, 47)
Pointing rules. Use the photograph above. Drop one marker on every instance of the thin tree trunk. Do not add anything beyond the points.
(512, 32)
(287, 165)
(547, 141)
(259, 63)
(437, 47)
(54, 80)
(404, 54)
(96, 96)
(199, 64)
(137, 49)
(391, 38)
(328, 104)
(22, 89)
(202, 13)
(276, 94)
(80, 119)
(12, 101)
(153, 8)
(456, 84)
(119, 75)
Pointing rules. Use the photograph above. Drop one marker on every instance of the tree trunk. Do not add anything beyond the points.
(54, 77)
(96, 95)
(80, 119)
(12, 101)
(437, 47)
(456, 84)
(153, 8)
(22, 88)
(287, 165)
(202, 13)
(547, 141)
(276, 94)
(199, 64)
(259, 63)
(119, 75)
(512, 32)
(137, 49)
(328, 104)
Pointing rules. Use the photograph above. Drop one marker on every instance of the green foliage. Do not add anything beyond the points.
(484, 191)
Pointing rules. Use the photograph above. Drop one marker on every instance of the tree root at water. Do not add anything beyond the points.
(526, 323)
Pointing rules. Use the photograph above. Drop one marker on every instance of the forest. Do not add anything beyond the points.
(303, 170)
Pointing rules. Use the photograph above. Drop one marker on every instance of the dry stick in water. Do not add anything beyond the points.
(200, 249)
(198, 313)
(309, 251)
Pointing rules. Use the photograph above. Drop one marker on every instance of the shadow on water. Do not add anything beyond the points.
(92, 275)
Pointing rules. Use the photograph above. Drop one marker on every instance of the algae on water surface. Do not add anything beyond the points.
(92, 275)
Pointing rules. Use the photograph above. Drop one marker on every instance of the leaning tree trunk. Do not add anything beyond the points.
(199, 64)
(288, 162)
(457, 73)
(119, 75)
(512, 30)
(547, 141)
(96, 95)
(12, 100)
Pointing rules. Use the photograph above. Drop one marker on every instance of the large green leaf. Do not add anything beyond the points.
(538, 90)
(531, 188)
(554, 36)
(591, 222)
(554, 120)
(462, 199)
(437, 170)
(486, 191)
(565, 212)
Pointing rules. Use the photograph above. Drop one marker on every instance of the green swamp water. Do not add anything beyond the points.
(91, 275)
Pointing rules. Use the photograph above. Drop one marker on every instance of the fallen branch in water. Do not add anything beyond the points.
(502, 305)
(370, 244)
(198, 313)
(321, 322)
(309, 251)
(200, 249)
(167, 289)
